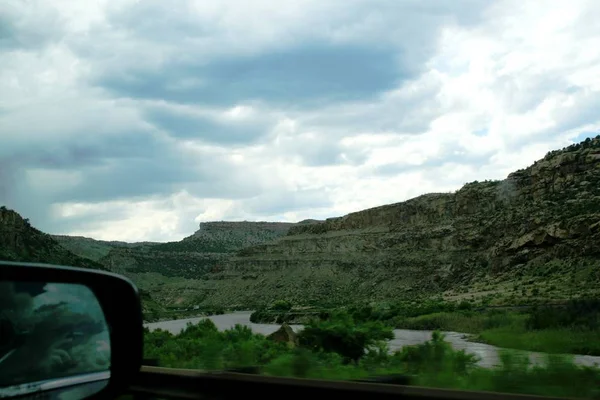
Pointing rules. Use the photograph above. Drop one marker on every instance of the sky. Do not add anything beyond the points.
(136, 120)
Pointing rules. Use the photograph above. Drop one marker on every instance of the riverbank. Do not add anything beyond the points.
(488, 355)
(509, 329)
(569, 328)
(428, 359)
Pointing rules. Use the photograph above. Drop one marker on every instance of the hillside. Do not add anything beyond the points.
(19, 241)
(92, 248)
(535, 234)
(168, 273)
(195, 255)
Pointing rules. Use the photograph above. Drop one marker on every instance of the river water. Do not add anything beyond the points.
(487, 354)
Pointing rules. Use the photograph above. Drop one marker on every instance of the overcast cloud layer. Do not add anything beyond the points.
(135, 120)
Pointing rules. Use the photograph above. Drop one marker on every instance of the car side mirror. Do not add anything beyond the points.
(67, 332)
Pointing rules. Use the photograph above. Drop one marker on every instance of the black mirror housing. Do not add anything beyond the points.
(119, 301)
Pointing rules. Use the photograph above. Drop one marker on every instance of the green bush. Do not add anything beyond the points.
(464, 306)
(435, 361)
(582, 314)
(281, 305)
(340, 334)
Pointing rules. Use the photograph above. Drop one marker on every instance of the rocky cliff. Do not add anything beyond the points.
(535, 233)
(19, 241)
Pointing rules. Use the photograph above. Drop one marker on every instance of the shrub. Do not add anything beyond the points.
(281, 305)
(582, 314)
(464, 305)
(340, 334)
(435, 362)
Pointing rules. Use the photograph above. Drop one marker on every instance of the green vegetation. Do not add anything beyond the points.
(332, 350)
(571, 328)
(342, 335)
(92, 248)
(281, 311)
(281, 305)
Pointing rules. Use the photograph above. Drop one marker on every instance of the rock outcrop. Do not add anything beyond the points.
(285, 334)
(541, 222)
(223, 236)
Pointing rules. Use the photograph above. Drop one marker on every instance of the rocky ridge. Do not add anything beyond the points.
(92, 248)
(540, 224)
(19, 241)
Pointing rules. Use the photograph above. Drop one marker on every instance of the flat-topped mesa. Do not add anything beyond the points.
(221, 226)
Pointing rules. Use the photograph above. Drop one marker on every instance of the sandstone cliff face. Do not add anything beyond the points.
(541, 222)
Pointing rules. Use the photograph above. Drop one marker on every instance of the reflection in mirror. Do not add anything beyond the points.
(53, 336)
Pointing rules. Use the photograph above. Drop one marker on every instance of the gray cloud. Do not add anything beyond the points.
(308, 76)
(28, 25)
(320, 150)
(89, 151)
(206, 128)
(408, 112)
(329, 52)
(521, 95)
(280, 202)
(457, 156)
(583, 112)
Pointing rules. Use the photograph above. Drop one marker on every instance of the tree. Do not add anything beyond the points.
(342, 335)
(281, 305)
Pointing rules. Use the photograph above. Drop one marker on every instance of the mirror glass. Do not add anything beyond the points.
(53, 336)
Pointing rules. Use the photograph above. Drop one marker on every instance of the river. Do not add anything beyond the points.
(487, 354)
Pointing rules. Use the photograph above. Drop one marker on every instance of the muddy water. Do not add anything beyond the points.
(487, 354)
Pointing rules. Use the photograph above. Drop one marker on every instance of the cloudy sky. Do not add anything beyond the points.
(135, 120)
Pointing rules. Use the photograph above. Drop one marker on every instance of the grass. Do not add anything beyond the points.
(508, 329)
(467, 322)
(562, 341)
(571, 328)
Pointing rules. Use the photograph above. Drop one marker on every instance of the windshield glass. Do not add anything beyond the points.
(395, 190)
